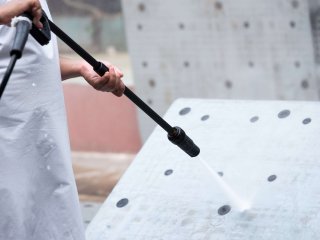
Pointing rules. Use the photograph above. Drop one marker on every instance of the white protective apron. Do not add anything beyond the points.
(38, 195)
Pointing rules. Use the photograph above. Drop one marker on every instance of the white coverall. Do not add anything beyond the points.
(38, 195)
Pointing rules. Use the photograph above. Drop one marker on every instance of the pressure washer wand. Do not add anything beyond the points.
(175, 134)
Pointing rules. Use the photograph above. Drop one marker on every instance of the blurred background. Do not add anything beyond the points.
(221, 49)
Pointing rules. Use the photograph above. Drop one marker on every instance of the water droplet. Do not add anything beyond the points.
(34, 85)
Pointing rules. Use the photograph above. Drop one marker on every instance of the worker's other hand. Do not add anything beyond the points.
(110, 82)
(15, 8)
(34, 7)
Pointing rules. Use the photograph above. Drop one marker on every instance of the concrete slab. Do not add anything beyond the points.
(244, 49)
(266, 154)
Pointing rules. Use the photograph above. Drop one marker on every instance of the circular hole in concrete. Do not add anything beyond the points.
(251, 64)
(297, 64)
(205, 118)
(292, 24)
(139, 27)
(168, 172)
(122, 203)
(186, 64)
(228, 84)
(87, 221)
(218, 5)
(284, 114)
(220, 174)
(254, 119)
(141, 7)
(184, 111)
(152, 83)
(272, 178)
(306, 121)
(295, 4)
(149, 101)
(145, 64)
(246, 25)
(224, 210)
(182, 26)
(304, 84)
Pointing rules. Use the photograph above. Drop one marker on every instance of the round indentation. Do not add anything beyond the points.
(220, 174)
(181, 26)
(295, 4)
(87, 205)
(284, 114)
(168, 172)
(251, 64)
(205, 118)
(186, 64)
(272, 178)
(122, 203)
(152, 83)
(254, 119)
(87, 221)
(141, 7)
(292, 24)
(228, 84)
(145, 64)
(297, 64)
(139, 27)
(306, 121)
(246, 25)
(304, 84)
(149, 101)
(224, 210)
(184, 111)
(218, 5)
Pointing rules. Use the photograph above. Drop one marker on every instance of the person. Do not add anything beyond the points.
(38, 195)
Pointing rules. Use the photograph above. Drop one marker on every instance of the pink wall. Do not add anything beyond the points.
(100, 121)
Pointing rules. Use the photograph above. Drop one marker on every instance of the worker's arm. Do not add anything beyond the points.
(110, 82)
(14, 8)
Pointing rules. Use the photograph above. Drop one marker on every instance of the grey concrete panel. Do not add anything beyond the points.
(262, 181)
(244, 49)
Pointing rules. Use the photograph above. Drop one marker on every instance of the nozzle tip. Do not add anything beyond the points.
(180, 138)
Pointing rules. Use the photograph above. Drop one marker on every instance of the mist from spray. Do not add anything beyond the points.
(235, 199)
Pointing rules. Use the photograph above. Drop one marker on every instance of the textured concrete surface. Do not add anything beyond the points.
(245, 49)
(257, 176)
(96, 174)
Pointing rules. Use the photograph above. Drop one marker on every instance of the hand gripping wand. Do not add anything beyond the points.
(175, 134)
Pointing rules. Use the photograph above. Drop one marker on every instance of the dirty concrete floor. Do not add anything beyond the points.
(96, 174)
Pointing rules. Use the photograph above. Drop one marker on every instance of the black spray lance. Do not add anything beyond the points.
(175, 134)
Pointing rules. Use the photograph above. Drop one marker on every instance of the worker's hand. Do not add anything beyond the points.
(17, 7)
(110, 82)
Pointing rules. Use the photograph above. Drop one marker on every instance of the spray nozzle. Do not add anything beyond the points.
(180, 138)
